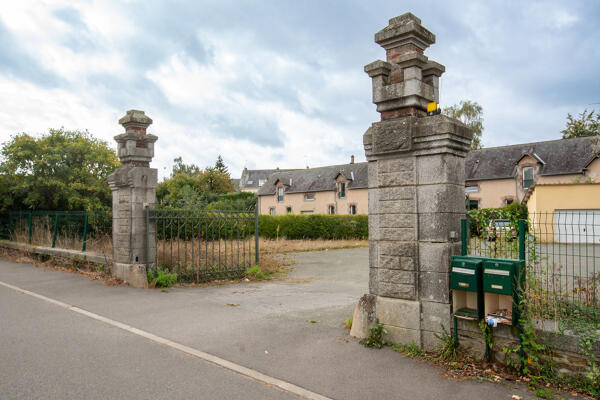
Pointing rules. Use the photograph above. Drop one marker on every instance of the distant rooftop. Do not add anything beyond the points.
(317, 179)
(558, 157)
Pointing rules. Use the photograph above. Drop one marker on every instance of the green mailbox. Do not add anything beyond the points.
(466, 284)
(501, 279)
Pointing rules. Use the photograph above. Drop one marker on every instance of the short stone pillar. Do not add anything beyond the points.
(133, 188)
(416, 191)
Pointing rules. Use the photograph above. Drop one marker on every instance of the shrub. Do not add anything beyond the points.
(480, 219)
(161, 278)
(316, 226)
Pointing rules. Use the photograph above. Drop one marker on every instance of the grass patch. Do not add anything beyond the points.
(256, 274)
(411, 350)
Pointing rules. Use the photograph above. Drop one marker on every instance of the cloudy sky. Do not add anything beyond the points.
(281, 83)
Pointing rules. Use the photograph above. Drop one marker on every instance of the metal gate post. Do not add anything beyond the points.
(256, 255)
(522, 227)
(85, 229)
(463, 236)
(54, 230)
(147, 239)
(29, 231)
(521, 277)
(10, 225)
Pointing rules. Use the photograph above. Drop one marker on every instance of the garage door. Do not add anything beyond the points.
(577, 226)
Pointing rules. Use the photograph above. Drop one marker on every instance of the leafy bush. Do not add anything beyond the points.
(480, 219)
(314, 226)
(161, 278)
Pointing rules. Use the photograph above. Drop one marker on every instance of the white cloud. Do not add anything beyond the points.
(263, 101)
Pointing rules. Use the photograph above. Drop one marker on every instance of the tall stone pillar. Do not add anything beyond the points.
(416, 191)
(133, 189)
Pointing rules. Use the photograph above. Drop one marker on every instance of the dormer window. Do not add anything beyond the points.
(527, 177)
(342, 190)
(261, 182)
(279, 194)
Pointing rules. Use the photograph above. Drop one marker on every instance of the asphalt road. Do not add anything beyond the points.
(289, 330)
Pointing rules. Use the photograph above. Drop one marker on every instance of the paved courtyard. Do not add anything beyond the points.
(291, 330)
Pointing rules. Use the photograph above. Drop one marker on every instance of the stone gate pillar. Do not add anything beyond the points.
(133, 189)
(416, 191)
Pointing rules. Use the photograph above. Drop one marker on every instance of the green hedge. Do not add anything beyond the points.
(315, 226)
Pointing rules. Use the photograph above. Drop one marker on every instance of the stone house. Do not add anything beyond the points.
(335, 189)
(497, 176)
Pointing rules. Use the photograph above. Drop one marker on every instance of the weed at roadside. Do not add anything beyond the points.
(161, 278)
(256, 274)
(348, 323)
(411, 350)
(375, 338)
(447, 348)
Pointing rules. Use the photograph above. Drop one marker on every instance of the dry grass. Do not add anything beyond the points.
(42, 231)
(283, 246)
(91, 270)
(274, 254)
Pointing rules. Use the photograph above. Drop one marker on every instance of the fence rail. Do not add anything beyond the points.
(562, 253)
(216, 241)
(80, 230)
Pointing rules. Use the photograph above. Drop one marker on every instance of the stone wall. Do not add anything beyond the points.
(565, 346)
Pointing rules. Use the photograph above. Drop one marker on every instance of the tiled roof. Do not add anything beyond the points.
(558, 157)
(251, 177)
(317, 179)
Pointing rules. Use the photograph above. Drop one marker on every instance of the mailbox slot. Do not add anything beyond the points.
(500, 290)
(465, 281)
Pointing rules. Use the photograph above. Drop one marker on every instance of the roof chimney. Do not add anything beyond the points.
(352, 159)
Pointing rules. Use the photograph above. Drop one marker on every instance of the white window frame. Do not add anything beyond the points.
(532, 178)
(350, 209)
(340, 186)
(331, 209)
(280, 193)
(472, 188)
(272, 211)
(307, 198)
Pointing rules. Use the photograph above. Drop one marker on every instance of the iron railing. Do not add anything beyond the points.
(204, 243)
(562, 254)
(78, 230)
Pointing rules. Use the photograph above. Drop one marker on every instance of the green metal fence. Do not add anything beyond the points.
(77, 230)
(204, 242)
(562, 253)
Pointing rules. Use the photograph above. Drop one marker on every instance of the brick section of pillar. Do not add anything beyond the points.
(133, 189)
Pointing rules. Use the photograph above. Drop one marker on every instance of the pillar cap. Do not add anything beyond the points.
(405, 29)
(135, 118)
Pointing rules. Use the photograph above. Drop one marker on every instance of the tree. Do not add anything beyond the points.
(220, 165)
(215, 181)
(190, 185)
(62, 170)
(469, 113)
(587, 124)
(180, 167)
